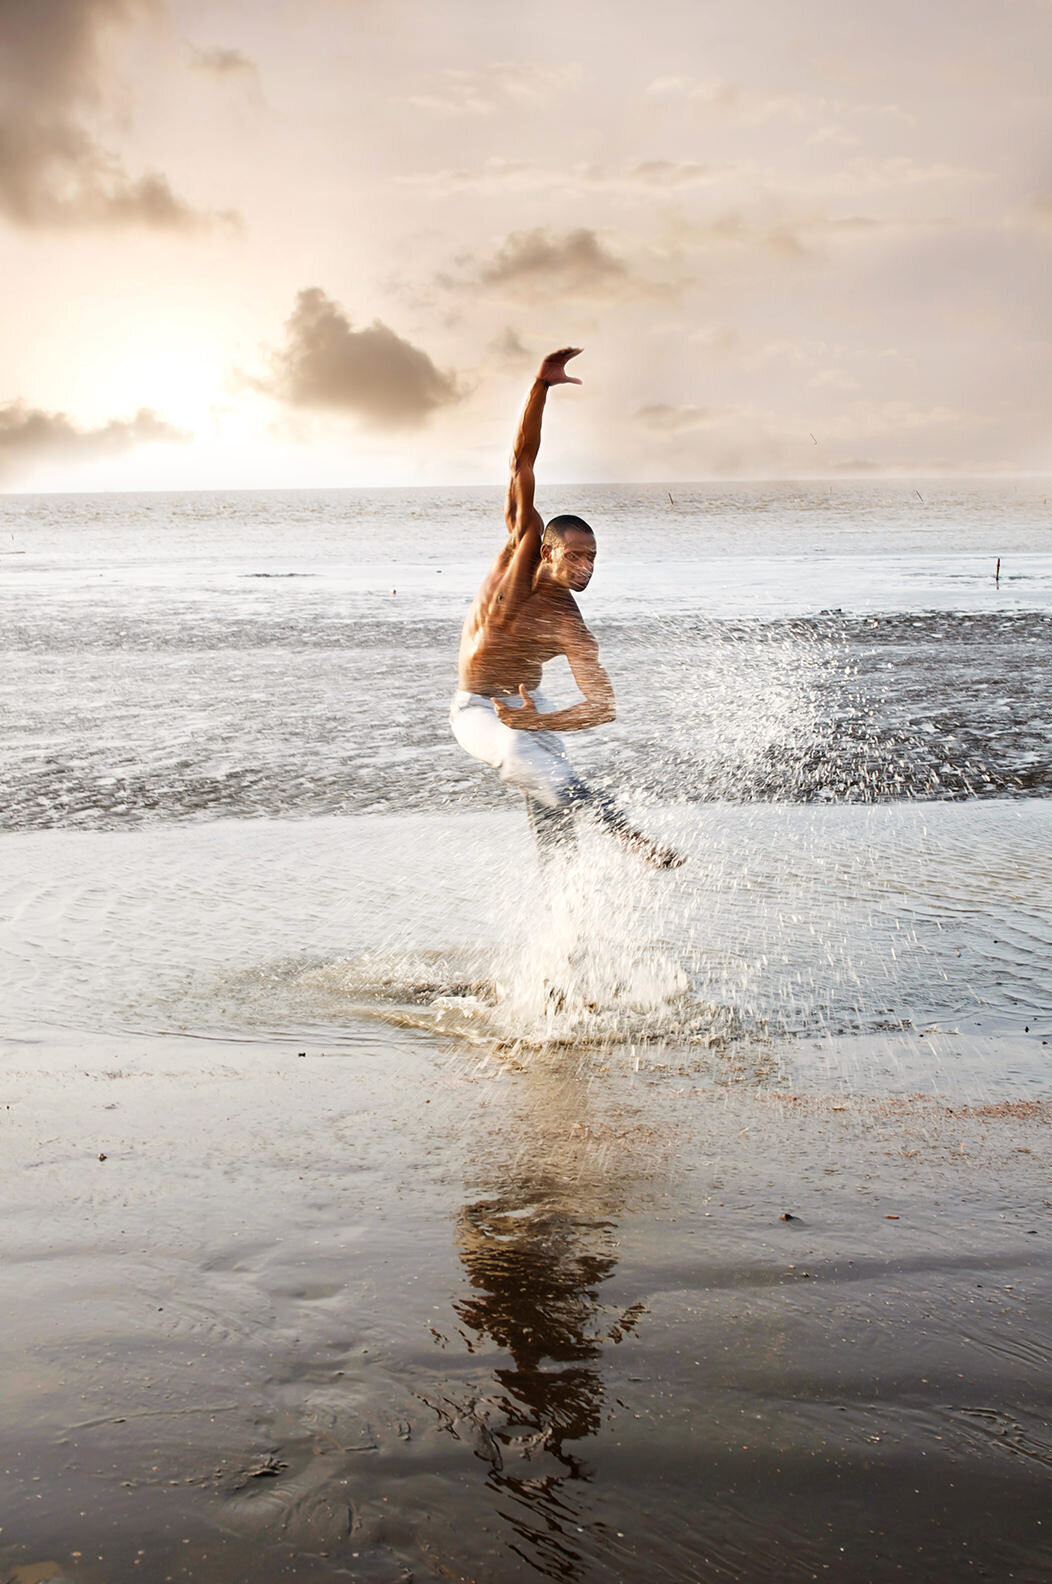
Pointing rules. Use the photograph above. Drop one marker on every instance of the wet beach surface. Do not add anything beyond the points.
(370, 1214)
(453, 1286)
(392, 1314)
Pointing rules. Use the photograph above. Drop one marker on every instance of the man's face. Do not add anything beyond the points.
(573, 562)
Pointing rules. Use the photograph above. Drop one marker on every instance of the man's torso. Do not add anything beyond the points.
(501, 653)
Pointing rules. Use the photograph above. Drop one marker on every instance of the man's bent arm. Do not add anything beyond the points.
(597, 708)
(578, 717)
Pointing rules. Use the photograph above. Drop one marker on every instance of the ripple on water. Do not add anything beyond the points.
(786, 920)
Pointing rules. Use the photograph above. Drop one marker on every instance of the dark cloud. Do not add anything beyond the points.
(570, 261)
(54, 171)
(372, 373)
(28, 434)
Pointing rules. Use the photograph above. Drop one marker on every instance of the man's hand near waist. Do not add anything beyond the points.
(579, 717)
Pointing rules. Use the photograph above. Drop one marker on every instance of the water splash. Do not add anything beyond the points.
(785, 921)
(602, 961)
(123, 719)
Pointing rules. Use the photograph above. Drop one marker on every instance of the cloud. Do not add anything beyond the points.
(642, 180)
(484, 90)
(750, 438)
(669, 173)
(373, 373)
(509, 348)
(663, 418)
(54, 171)
(572, 263)
(28, 434)
(575, 259)
(1035, 214)
(222, 62)
(722, 97)
(540, 264)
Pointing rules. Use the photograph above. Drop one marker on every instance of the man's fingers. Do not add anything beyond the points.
(553, 369)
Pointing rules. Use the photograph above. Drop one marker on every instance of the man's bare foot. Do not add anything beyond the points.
(665, 858)
(657, 857)
(668, 858)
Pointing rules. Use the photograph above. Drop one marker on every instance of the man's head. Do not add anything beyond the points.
(568, 552)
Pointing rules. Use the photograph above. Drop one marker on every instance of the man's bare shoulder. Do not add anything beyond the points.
(568, 630)
(572, 613)
(496, 573)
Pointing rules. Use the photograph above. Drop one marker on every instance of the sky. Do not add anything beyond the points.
(317, 243)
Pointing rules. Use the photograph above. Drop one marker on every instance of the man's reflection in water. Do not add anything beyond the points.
(537, 1251)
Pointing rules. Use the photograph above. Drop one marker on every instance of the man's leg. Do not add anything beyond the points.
(553, 831)
(556, 837)
(537, 766)
(606, 813)
(536, 763)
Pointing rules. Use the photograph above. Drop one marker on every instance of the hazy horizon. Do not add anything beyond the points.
(498, 485)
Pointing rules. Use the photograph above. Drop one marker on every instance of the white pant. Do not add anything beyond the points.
(535, 762)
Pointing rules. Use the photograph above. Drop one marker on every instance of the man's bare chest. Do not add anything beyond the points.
(536, 628)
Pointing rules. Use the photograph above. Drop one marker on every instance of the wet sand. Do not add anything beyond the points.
(404, 1310)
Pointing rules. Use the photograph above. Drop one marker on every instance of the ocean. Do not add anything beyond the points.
(374, 1211)
(231, 802)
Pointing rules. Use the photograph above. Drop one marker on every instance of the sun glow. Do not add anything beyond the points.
(179, 372)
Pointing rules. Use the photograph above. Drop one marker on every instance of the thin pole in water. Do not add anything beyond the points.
(997, 573)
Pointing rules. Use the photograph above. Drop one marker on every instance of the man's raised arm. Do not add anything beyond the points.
(519, 511)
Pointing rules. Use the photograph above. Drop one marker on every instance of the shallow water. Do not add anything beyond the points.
(195, 657)
(244, 659)
(371, 1213)
(786, 920)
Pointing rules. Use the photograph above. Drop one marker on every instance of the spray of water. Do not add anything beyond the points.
(611, 955)
(739, 712)
(599, 957)
(795, 915)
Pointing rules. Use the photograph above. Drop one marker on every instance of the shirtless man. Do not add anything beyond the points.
(525, 614)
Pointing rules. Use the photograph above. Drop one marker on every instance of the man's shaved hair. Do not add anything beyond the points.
(556, 531)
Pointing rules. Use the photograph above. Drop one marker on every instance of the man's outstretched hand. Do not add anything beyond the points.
(553, 370)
